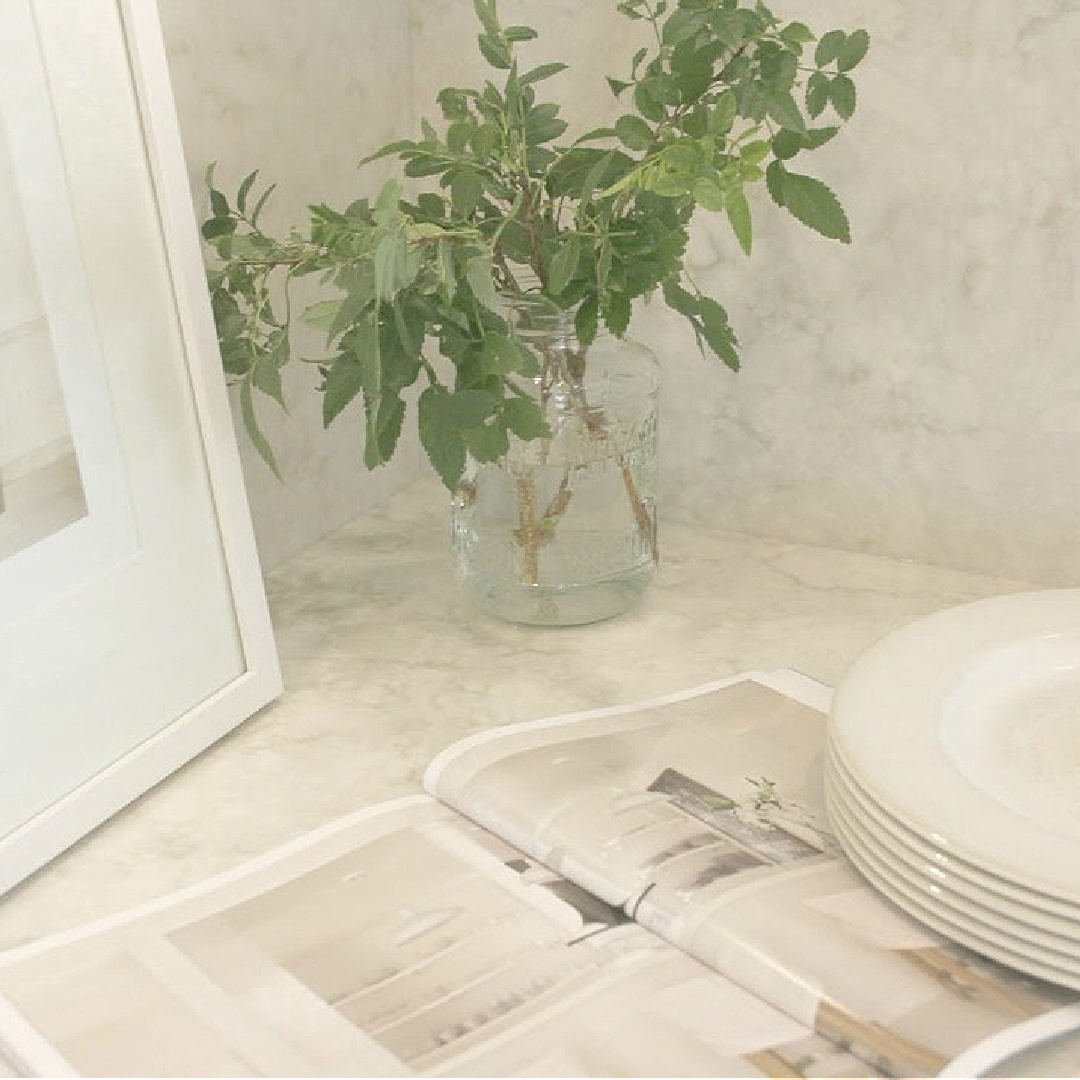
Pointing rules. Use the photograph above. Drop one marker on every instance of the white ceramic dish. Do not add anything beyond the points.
(886, 882)
(988, 919)
(966, 727)
(947, 871)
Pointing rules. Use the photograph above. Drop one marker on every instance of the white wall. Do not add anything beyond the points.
(301, 90)
(917, 393)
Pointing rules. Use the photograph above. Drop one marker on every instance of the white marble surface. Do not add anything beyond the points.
(385, 665)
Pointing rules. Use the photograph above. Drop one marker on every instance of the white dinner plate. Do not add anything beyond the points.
(966, 727)
(1062, 943)
(1013, 954)
(1052, 914)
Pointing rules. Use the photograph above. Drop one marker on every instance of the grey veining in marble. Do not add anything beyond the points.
(385, 665)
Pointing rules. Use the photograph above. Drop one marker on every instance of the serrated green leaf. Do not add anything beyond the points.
(817, 93)
(724, 113)
(488, 442)
(616, 310)
(828, 47)
(524, 418)
(717, 332)
(503, 355)
(633, 132)
(811, 201)
(855, 47)
(782, 108)
(842, 96)
(343, 381)
(444, 447)
(384, 416)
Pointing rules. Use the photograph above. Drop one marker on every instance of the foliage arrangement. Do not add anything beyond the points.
(727, 96)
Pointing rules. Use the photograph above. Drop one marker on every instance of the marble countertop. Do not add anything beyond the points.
(385, 664)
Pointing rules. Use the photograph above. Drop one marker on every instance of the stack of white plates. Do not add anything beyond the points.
(953, 776)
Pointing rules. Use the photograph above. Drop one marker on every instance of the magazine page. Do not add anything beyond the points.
(400, 941)
(702, 817)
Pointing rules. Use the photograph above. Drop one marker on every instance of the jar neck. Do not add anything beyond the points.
(551, 335)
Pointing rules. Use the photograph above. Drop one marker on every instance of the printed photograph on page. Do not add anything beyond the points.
(704, 820)
(413, 943)
(684, 791)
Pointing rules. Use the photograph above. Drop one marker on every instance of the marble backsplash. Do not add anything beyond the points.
(915, 394)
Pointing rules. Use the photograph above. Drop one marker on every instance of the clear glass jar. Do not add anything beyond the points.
(562, 531)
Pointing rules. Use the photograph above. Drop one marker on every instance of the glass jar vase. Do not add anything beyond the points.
(562, 530)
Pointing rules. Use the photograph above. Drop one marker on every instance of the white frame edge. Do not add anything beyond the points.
(49, 833)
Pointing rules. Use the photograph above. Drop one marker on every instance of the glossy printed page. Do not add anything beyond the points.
(401, 941)
(702, 816)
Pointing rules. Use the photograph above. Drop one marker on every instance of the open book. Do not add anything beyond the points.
(648, 890)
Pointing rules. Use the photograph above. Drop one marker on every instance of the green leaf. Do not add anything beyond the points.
(524, 418)
(809, 200)
(649, 99)
(342, 383)
(537, 74)
(564, 263)
(488, 442)
(817, 93)
(616, 310)
(465, 191)
(738, 212)
(782, 109)
(504, 355)
(618, 86)
(495, 51)
(842, 96)
(478, 274)
(855, 47)
(444, 447)
(520, 33)
(708, 193)
(251, 425)
(633, 132)
(587, 320)
(216, 227)
(266, 373)
(828, 48)
(384, 416)
(717, 332)
(245, 187)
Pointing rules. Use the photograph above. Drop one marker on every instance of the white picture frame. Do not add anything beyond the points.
(47, 571)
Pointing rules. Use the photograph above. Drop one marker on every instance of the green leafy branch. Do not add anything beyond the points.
(728, 97)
